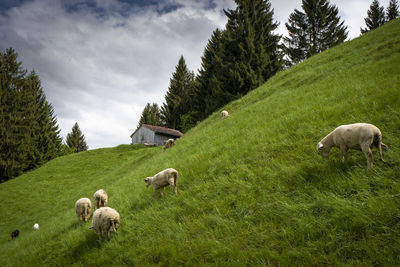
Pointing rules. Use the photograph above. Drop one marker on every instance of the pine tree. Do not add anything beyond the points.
(151, 114)
(76, 140)
(375, 18)
(13, 145)
(251, 49)
(26, 118)
(392, 12)
(313, 31)
(178, 95)
(208, 92)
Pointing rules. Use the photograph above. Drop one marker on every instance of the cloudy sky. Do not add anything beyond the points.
(101, 61)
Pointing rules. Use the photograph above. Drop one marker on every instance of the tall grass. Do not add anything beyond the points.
(252, 189)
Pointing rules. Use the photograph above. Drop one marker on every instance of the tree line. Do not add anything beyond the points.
(29, 132)
(247, 53)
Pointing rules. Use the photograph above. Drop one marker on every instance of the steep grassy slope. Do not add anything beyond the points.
(252, 189)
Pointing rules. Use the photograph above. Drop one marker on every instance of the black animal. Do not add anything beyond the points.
(15, 233)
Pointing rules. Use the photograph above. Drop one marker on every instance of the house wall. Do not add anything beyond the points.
(159, 139)
(143, 135)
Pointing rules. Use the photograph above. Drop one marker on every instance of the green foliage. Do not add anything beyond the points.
(375, 18)
(313, 31)
(392, 11)
(76, 140)
(179, 96)
(151, 114)
(253, 191)
(29, 134)
(237, 59)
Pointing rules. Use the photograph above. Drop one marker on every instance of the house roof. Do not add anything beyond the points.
(161, 130)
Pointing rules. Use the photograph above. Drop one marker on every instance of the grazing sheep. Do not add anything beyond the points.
(14, 233)
(100, 199)
(169, 143)
(162, 179)
(362, 136)
(105, 220)
(83, 208)
(36, 227)
(224, 114)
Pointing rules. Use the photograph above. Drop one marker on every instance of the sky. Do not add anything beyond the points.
(101, 61)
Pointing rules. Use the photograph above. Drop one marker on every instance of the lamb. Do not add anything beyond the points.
(169, 143)
(105, 220)
(162, 179)
(15, 234)
(100, 199)
(224, 114)
(83, 208)
(36, 227)
(362, 136)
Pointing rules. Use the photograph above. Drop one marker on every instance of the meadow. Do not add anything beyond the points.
(252, 188)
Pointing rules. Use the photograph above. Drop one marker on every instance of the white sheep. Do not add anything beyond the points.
(36, 227)
(100, 199)
(105, 220)
(169, 143)
(162, 179)
(83, 208)
(224, 114)
(362, 136)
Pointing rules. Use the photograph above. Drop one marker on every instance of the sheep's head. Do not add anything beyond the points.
(114, 225)
(148, 180)
(323, 150)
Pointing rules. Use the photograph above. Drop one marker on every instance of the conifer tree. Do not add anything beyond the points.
(76, 140)
(392, 11)
(177, 99)
(209, 95)
(13, 145)
(251, 49)
(314, 30)
(26, 119)
(151, 114)
(375, 17)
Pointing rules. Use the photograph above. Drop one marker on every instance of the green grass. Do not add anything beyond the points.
(252, 189)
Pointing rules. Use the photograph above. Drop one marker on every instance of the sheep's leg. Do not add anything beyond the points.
(380, 151)
(343, 153)
(162, 191)
(154, 191)
(171, 182)
(368, 153)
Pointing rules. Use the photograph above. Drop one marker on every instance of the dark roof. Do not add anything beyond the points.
(162, 130)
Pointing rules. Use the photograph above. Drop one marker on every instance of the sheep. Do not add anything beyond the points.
(36, 227)
(362, 136)
(224, 114)
(14, 233)
(100, 199)
(169, 143)
(83, 208)
(105, 220)
(162, 179)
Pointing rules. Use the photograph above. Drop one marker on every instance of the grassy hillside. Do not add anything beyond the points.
(252, 189)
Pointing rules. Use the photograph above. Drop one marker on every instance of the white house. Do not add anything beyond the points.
(151, 134)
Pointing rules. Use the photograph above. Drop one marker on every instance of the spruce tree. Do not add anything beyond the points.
(209, 95)
(392, 11)
(251, 49)
(13, 132)
(76, 140)
(177, 99)
(151, 114)
(26, 119)
(375, 17)
(314, 30)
